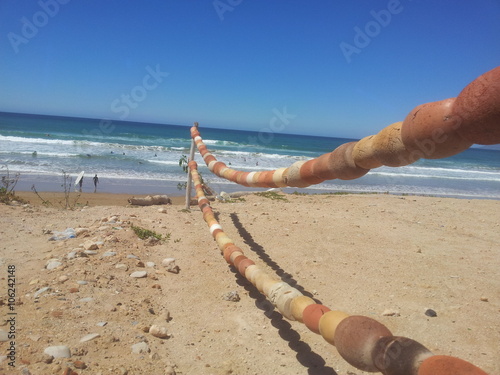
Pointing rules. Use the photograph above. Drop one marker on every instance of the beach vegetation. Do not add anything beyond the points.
(145, 234)
(8, 184)
(272, 195)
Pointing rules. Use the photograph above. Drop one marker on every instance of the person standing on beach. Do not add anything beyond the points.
(96, 181)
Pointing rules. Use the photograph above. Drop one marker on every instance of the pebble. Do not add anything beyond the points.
(71, 255)
(80, 231)
(60, 351)
(141, 347)
(33, 282)
(389, 312)
(138, 274)
(63, 278)
(169, 370)
(41, 290)
(159, 331)
(86, 299)
(132, 256)
(82, 282)
(90, 252)
(90, 245)
(89, 337)
(52, 264)
(232, 296)
(150, 264)
(122, 266)
(169, 264)
(79, 364)
(109, 254)
(101, 324)
(484, 299)
(162, 210)
(431, 313)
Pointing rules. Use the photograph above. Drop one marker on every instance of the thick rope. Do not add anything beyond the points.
(362, 341)
(431, 131)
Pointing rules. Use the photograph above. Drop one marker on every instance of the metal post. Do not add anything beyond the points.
(189, 180)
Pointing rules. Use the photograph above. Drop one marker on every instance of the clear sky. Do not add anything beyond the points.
(333, 68)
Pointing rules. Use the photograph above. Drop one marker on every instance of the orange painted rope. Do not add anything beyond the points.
(362, 341)
(431, 131)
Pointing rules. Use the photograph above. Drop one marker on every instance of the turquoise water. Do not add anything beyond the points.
(139, 157)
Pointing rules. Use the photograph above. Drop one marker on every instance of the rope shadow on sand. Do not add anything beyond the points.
(314, 363)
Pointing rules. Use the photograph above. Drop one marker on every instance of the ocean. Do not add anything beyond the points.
(141, 158)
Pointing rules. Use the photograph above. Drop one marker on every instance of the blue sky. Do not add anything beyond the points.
(332, 68)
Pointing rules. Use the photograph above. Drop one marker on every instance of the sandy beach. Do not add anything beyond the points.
(388, 257)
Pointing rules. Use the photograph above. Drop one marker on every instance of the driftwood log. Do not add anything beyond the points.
(150, 200)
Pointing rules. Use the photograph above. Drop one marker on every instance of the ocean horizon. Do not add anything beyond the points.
(143, 158)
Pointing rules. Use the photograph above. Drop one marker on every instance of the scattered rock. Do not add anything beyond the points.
(41, 290)
(162, 210)
(138, 274)
(82, 282)
(79, 364)
(121, 266)
(63, 278)
(159, 331)
(90, 245)
(47, 358)
(169, 264)
(169, 370)
(132, 256)
(86, 299)
(89, 337)
(81, 231)
(89, 252)
(150, 264)
(52, 264)
(59, 351)
(109, 254)
(431, 313)
(389, 312)
(141, 347)
(232, 296)
(101, 324)
(484, 299)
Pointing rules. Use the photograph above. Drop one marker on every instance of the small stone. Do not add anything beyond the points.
(59, 351)
(74, 290)
(34, 281)
(79, 364)
(86, 299)
(132, 256)
(82, 282)
(169, 264)
(121, 266)
(232, 296)
(162, 210)
(138, 274)
(389, 312)
(89, 337)
(63, 278)
(90, 252)
(139, 263)
(109, 254)
(41, 290)
(140, 347)
(81, 231)
(101, 324)
(71, 255)
(150, 264)
(52, 264)
(90, 245)
(56, 369)
(484, 299)
(159, 331)
(431, 313)
(47, 358)
(156, 286)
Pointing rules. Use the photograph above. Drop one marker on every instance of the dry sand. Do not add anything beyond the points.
(363, 254)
